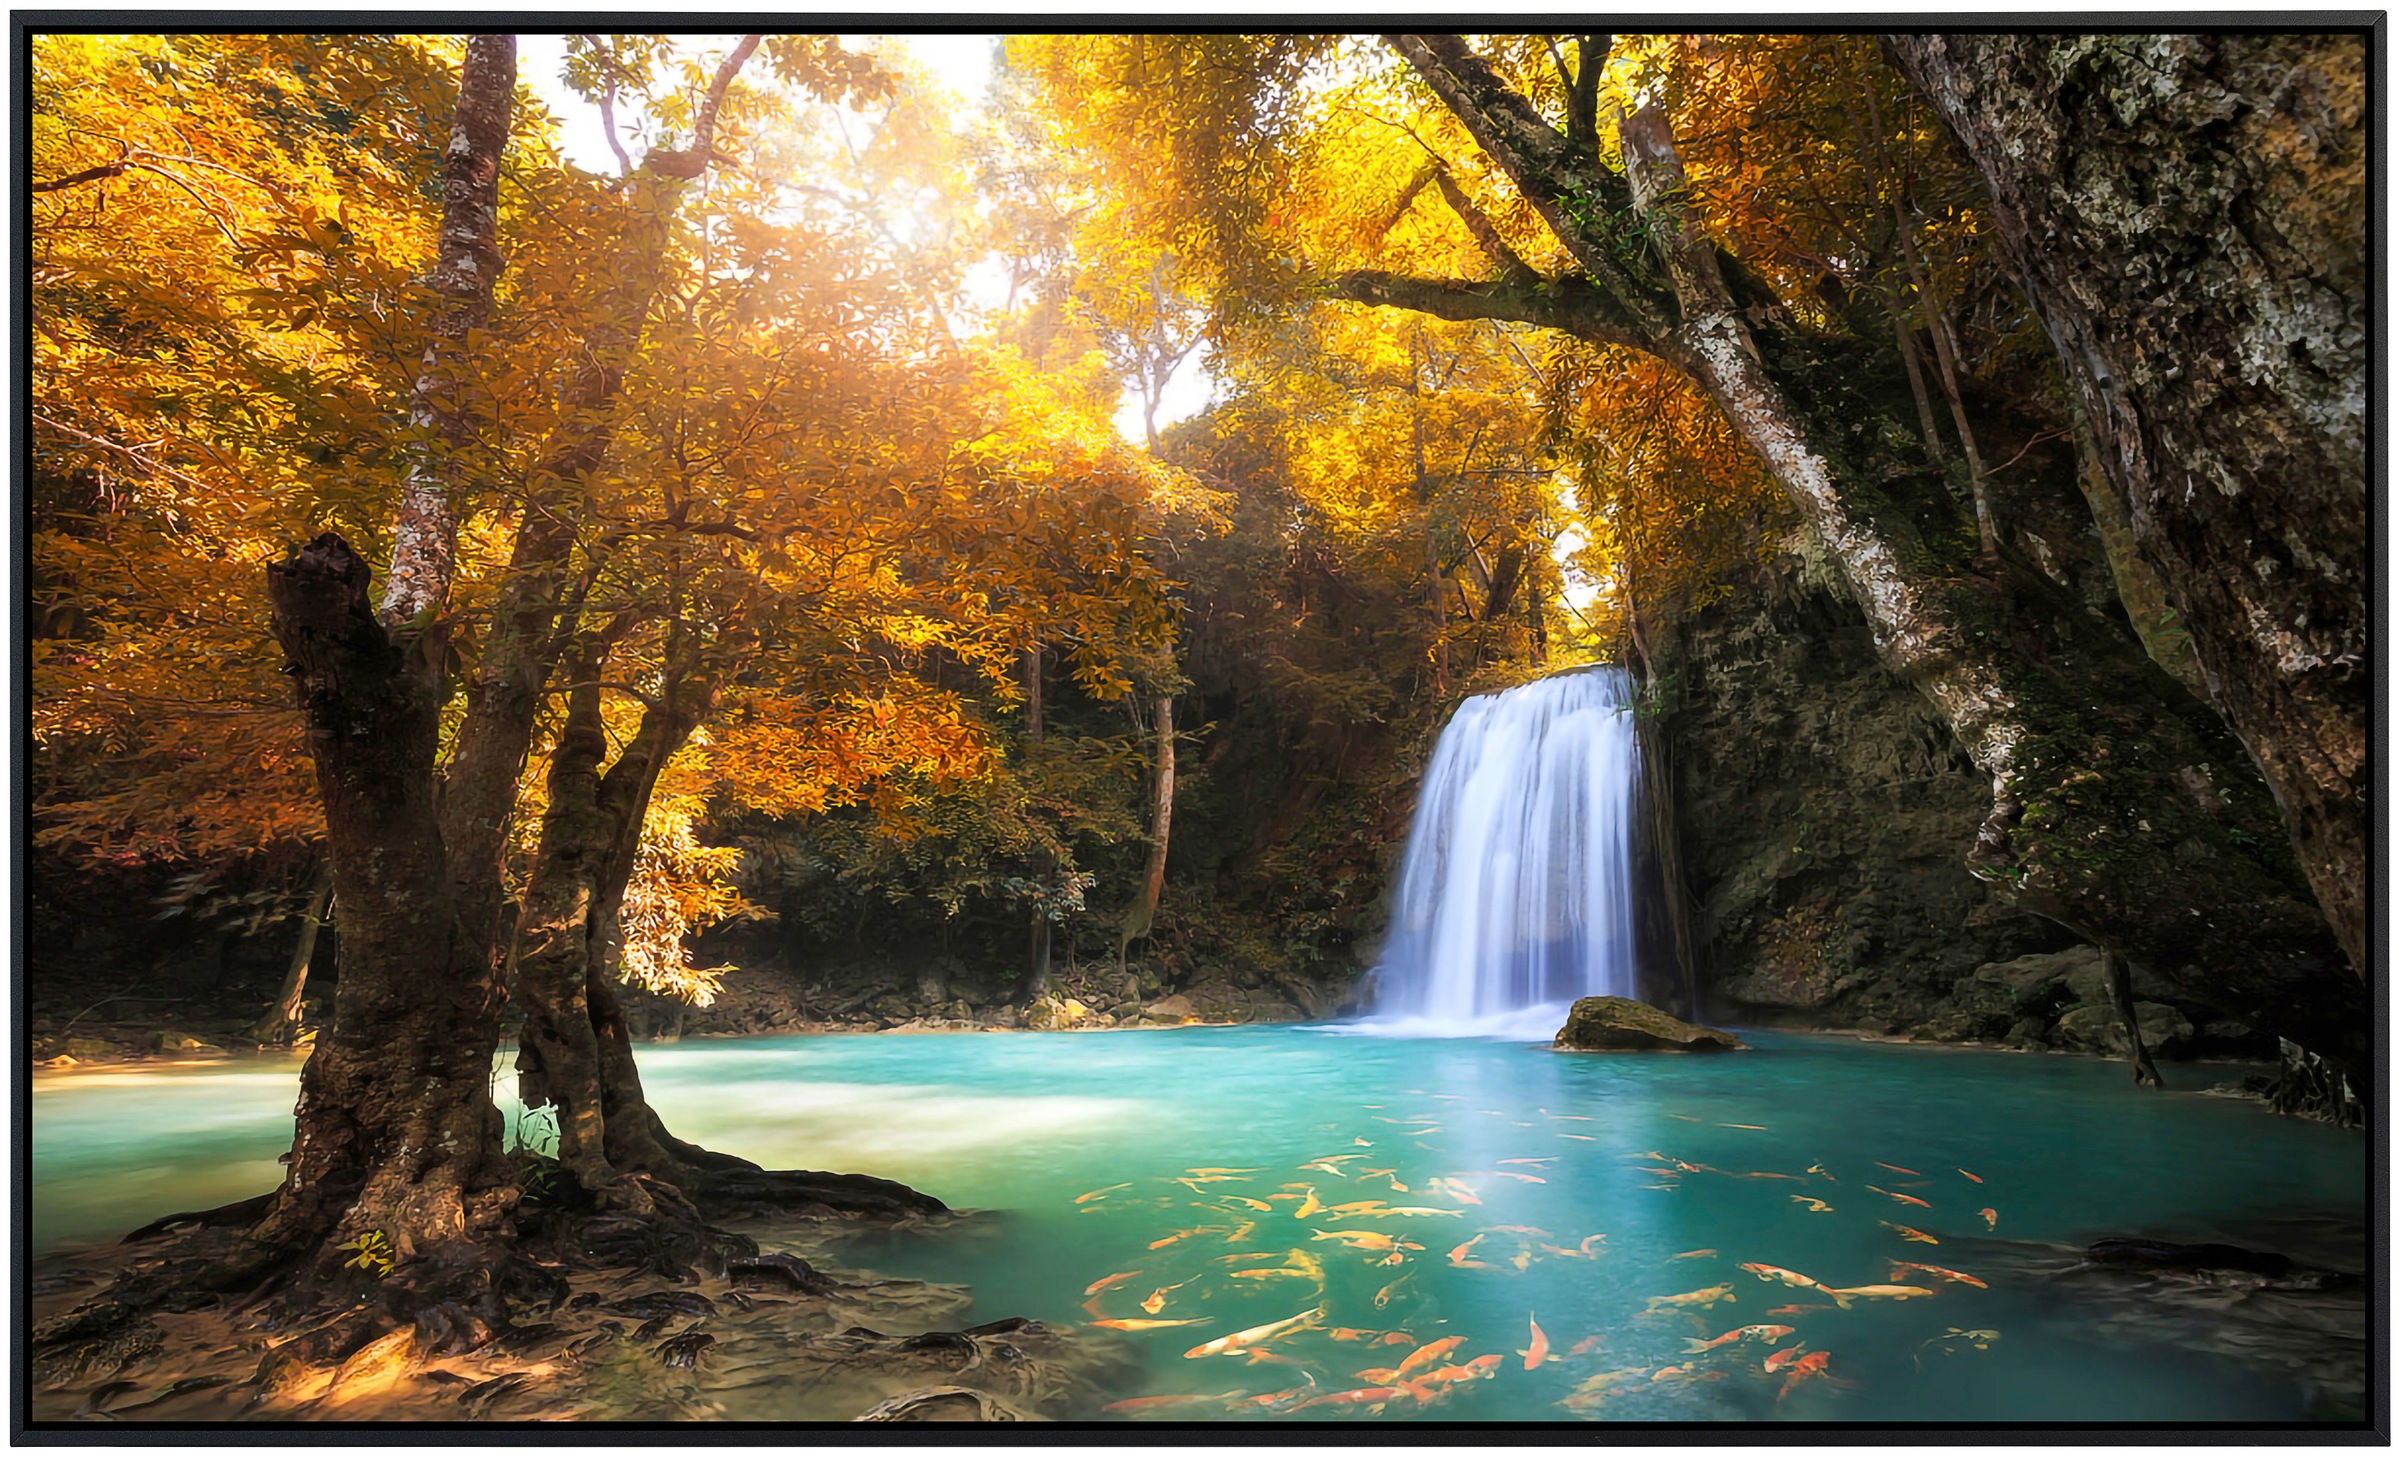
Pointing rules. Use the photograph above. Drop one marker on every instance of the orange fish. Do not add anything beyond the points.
(1308, 1206)
(1475, 1370)
(1693, 1255)
(1397, 1338)
(1459, 1256)
(1537, 1163)
(1814, 1206)
(1160, 1244)
(1538, 1350)
(1157, 1299)
(1459, 1191)
(1585, 1137)
(1380, 1375)
(1769, 1333)
(1785, 1357)
(1096, 1193)
(1107, 1280)
(1812, 1364)
(1391, 1292)
(1978, 1178)
(1425, 1355)
(1522, 1178)
(1261, 1205)
(1916, 1236)
(1587, 1345)
(1991, 1218)
(1797, 1310)
(1147, 1325)
(1365, 1239)
(1903, 1198)
(1353, 1333)
(1955, 1276)
(1895, 1168)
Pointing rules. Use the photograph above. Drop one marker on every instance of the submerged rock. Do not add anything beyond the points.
(1621, 1024)
(942, 1404)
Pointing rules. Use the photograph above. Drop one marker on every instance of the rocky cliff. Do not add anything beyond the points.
(1825, 815)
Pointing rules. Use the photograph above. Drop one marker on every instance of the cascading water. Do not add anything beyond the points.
(1516, 894)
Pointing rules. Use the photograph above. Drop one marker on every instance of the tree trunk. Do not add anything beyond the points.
(1037, 935)
(395, 1131)
(2120, 996)
(575, 1051)
(2118, 809)
(2187, 213)
(282, 1023)
(467, 263)
(1162, 814)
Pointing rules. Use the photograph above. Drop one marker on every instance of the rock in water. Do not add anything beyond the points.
(1621, 1024)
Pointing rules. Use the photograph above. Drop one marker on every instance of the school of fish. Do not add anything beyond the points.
(1425, 1373)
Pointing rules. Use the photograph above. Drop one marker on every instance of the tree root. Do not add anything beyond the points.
(737, 1193)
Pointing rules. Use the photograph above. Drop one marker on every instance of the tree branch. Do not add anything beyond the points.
(100, 173)
(1487, 237)
(1579, 199)
(1569, 305)
(704, 130)
(1583, 97)
(608, 119)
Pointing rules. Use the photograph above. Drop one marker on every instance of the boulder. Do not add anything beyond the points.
(1169, 1009)
(2097, 1030)
(2033, 985)
(1620, 1024)
(1057, 1014)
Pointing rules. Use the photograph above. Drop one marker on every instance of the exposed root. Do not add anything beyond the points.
(739, 1193)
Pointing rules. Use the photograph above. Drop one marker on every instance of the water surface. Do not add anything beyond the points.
(1561, 1154)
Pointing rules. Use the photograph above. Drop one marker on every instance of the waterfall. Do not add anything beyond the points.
(1516, 893)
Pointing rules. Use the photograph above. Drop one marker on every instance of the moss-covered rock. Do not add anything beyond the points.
(1058, 1014)
(1621, 1024)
